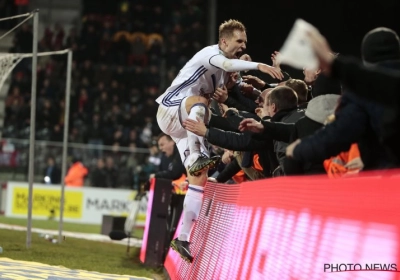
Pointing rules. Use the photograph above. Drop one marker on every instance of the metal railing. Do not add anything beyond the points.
(130, 163)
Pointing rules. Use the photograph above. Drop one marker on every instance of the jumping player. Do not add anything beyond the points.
(188, 97)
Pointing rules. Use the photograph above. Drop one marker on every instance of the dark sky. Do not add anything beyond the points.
(343, 23)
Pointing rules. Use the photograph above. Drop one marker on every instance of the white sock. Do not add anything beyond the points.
(194, 141)
(191, 210)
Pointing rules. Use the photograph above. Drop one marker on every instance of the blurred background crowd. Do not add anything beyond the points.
(121, 63)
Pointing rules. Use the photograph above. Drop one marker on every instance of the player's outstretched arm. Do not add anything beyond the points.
(235, 65)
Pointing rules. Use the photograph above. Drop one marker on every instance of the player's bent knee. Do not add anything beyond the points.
(194, 100)
(197, 99)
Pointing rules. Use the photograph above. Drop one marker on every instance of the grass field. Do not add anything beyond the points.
(75, 254)
(72, 253)
(53, 225)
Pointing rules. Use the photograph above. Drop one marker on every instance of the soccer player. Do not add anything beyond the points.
(188, 97)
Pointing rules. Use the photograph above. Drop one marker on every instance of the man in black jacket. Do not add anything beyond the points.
(174, 171)
(52, 173)
(282, 104)
(175, 168)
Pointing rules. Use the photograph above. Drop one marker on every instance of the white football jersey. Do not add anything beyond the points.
(197, 77)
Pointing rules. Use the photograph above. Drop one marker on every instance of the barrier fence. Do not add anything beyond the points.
(131, 163)
(296, 228)
(84, 205)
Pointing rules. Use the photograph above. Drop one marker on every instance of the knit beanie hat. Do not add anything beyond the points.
(380, 44)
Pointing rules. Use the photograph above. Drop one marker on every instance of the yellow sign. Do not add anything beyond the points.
(46, 201)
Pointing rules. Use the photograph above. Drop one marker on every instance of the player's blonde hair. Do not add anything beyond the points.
(227, 28)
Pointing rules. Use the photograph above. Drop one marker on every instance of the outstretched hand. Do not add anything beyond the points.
(233, 78)
(310, 75)
(197, 127)
(322, 49)
(221, 94)
(275, 62)
(272, 71)
(225, 115)
(254, 81)
(251, 125)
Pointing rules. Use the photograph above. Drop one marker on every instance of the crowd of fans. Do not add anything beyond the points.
(118, 70)
(333, 120)
(123, 62)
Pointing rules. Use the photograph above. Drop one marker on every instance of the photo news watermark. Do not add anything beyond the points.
(342, 267)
